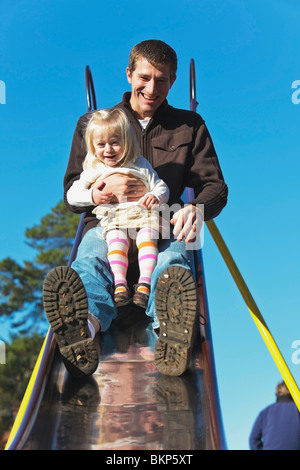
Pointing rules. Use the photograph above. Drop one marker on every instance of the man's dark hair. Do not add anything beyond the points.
(156, 52)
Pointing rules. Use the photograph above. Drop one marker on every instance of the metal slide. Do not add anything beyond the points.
(127, 404)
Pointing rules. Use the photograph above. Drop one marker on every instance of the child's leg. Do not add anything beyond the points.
(118, 257)
(146, 242)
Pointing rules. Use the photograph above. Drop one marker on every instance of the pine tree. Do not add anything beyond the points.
(21, 285)
(21, 357)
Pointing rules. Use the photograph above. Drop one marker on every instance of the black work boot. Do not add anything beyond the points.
(176, 309)
(66, 307)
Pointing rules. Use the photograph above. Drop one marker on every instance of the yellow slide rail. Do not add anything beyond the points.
(255, 313)
(29, 395)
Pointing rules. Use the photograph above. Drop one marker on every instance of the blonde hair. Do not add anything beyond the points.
(115, 121)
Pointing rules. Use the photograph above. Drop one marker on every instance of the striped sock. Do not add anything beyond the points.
(118, 257)
(146, 242)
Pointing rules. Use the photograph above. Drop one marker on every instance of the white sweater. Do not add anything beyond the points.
(80, 193)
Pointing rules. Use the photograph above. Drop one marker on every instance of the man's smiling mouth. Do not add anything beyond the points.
(147, 97)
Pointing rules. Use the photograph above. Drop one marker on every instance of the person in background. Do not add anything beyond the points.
(277, 427)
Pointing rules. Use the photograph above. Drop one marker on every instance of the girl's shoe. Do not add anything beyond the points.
(121, 297)
(140, 298)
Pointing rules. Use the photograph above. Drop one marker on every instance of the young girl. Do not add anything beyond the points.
(112, 148)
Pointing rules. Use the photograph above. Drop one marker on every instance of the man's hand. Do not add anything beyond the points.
(187, 223)
(99, 196)
(124, 187)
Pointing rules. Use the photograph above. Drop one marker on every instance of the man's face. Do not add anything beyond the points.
(150, 87)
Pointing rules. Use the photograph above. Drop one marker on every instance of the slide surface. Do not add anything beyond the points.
(127, 404)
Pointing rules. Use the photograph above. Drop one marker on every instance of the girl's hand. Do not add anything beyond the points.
(149, 201)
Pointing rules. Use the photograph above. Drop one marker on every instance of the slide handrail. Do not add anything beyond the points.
(90, 90)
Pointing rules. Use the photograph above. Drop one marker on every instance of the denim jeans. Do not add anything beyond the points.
(92, 266)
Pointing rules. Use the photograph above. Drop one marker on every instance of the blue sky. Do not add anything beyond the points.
(247, 57)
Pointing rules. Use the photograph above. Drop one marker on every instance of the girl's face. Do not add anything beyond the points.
(108, 147)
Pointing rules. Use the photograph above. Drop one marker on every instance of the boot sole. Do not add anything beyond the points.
(176, 308)
(66, 307)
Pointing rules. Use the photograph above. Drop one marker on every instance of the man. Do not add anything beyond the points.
(277, 427)
(178, 146)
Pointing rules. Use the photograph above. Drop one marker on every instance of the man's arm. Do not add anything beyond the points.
(204, 174)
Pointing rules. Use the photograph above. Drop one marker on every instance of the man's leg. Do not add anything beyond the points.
(91, 264)
(170, 253)
(78, 301)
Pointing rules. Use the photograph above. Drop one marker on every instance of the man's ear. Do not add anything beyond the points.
(172, 81)
(128, 74)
